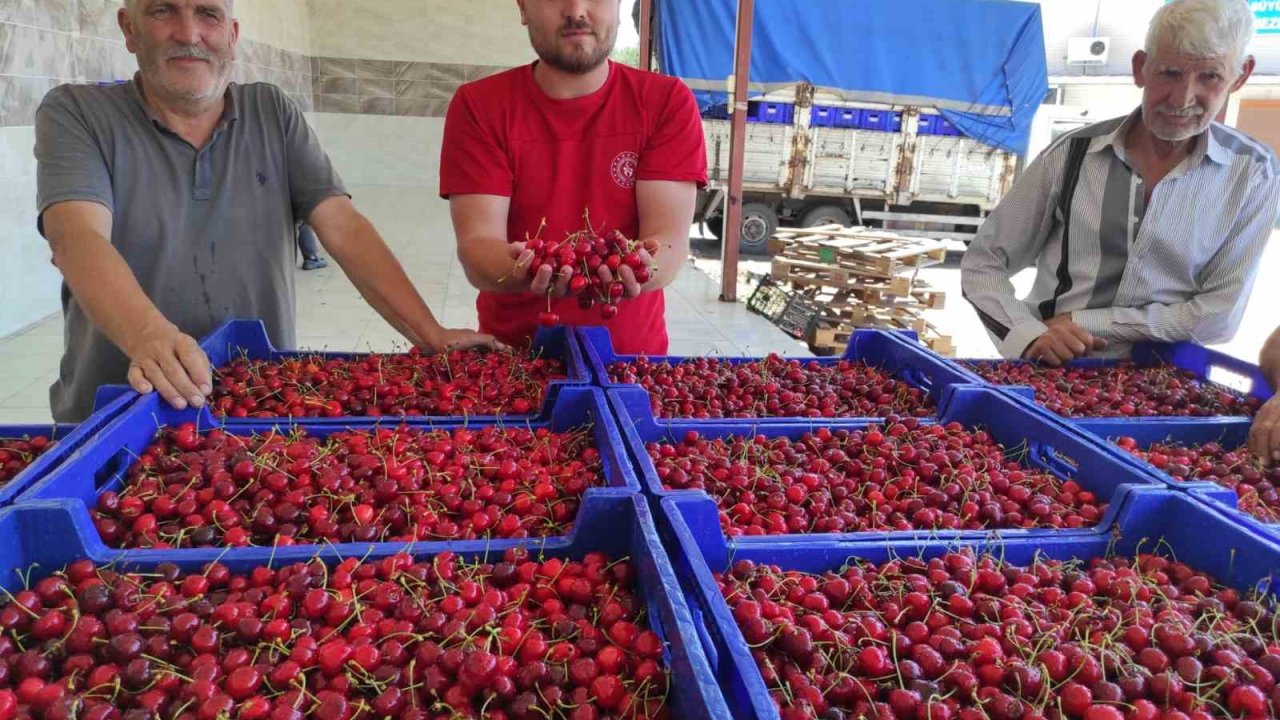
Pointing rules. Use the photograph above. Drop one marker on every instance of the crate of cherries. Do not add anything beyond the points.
(880, 375)
(988, 463)
(1165, 620)
(1118, 389)
(174, 485)
(17, 454)
(253, 380)
(597, 631)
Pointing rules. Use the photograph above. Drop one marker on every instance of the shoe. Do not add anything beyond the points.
(314, 263)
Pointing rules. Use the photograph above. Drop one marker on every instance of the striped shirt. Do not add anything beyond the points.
(1180, 269)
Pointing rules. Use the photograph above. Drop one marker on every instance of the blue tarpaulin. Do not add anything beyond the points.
(980, 62)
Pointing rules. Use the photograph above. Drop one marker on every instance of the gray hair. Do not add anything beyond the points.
(132, 5)
(1203, 29)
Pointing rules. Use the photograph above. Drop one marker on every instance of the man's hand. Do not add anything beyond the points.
(166, 360)
(1264, 436)
(1064, 341)
(543, 278)
(631, 286)
(458, 339)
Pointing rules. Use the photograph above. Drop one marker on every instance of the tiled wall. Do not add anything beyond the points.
(44, 43)
(389, 87)
(288, 69)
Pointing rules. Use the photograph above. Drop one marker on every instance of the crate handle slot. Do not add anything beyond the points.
(704, 637)
(1054, 460)
(113, 470)
(1230, 378)
(917, 376)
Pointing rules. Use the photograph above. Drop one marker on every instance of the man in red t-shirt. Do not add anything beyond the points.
(537, 150)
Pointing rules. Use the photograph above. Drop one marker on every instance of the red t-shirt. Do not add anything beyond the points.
(556, 159)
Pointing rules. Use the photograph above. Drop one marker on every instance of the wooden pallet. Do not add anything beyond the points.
(876, 252)
(836, 337)
(920, 297)
(805, 273)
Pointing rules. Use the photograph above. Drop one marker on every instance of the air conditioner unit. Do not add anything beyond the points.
(1088, 50)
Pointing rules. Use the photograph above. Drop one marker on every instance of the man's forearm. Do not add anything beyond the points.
(670, 257)
(1205, 319)
(489, 266)
(104, 285)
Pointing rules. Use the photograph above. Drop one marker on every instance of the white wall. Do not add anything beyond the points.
(405, 151)
(466, 32)
(28, 281)
(285, 24)
(1125, 22)
(382, 149)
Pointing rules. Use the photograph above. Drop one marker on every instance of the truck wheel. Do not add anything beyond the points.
(825, 215)
(759, 222)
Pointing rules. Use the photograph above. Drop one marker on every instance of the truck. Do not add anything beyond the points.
(839, 133)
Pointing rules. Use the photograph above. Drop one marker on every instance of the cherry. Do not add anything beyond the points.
(391, 484)
(771, 387)
(872, 640)
(1120, 389)
(908, 477)
(16, 454)
(1257, 486)
(459, 382)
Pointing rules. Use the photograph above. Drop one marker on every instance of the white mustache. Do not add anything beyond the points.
(1193, 111)
(190, 51)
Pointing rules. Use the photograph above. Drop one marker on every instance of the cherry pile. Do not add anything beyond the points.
(580, 256)
(771, 387)
(18, 453)
(971, 638)
(904, 476)
(189, 489)
(460, 382)
(1256, 485)
(433, 640)
(1120, 390)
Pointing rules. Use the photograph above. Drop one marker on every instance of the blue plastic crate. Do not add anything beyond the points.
(1201, 361)
(103, 464)
(248, 338)
(716, 112)
(824, 116)
(895, 351)
(43, 537)
(1150, 521)
(1051, 444)
(881, 120)
(108, 403)
(849, 118)
(1230, 432)
(773, 113)
(930, 124)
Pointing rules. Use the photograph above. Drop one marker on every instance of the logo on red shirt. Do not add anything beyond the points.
(624, 169)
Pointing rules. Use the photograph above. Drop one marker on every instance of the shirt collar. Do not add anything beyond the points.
(1207, 144)
(230, 110)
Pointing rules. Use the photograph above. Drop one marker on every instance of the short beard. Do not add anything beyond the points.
(572, 61)
(150, 63)
(1172, 136)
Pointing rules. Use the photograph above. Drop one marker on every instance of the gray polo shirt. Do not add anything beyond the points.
(208, 232)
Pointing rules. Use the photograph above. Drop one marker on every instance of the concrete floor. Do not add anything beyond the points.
(332, 315)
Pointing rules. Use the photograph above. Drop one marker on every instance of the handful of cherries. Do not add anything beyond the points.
(580, 257)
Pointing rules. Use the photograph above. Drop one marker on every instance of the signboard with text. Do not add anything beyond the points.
(1266, 15)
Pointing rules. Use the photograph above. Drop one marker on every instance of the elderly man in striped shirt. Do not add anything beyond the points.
(1144, 227)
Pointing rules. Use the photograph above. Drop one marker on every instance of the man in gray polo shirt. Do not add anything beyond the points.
(170, 203)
